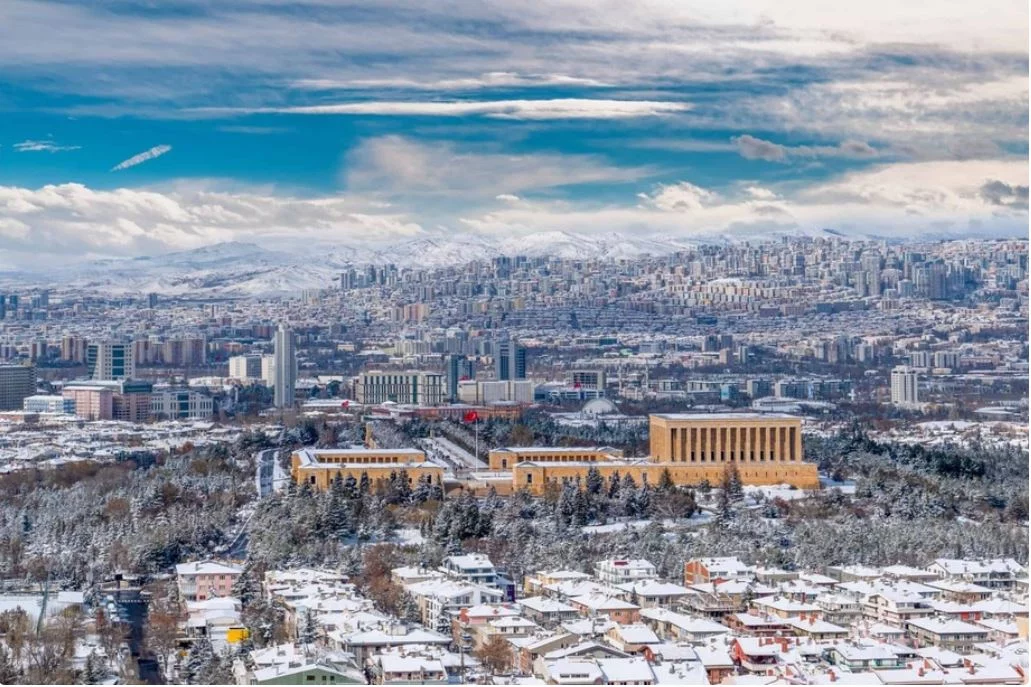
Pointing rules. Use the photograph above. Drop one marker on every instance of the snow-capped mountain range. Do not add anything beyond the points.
(246, 269)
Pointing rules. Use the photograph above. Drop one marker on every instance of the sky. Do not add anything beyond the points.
(137, 127)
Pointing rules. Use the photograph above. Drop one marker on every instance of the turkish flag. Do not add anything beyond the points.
(471, 416)
(345, 404)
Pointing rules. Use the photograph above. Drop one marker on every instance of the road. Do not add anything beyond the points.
(269, 474)
(456, 454)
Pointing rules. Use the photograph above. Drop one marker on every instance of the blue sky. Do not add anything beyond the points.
(131, 127)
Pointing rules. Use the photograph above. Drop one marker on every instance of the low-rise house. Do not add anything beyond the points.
(954, 635)
(305, 674)
(754, 624)
(529, 649)
(365, 643)
(896, 608)
(547, 611)
(760, 655)
(622, 570)
(782, 607)
(717, 661)
(818, 630)
(631, 639)
(614, 608)
(997, 573)
(671, 625)
(862, 656)
(961, 591)
(409, 670)
(474, 568)
(534, 584)
(699, 570)
(649, 593)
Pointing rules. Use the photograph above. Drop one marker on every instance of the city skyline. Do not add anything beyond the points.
(199, 124)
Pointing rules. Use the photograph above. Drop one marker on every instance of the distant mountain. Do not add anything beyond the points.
(247, 269)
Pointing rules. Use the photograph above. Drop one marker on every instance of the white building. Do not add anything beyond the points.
(107, 360)
(413, 387)
(49, 404)
(472, 567)
(181, 404)
(904, 387)
(285, 367)
(252, 367)
(622, 570)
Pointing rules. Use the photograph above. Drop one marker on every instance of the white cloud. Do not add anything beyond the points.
(395, 165)
(557, 108)
(752, 148)
(75, 220)
(482, 81)
(46, 146)
(140, 158)
(683, 196)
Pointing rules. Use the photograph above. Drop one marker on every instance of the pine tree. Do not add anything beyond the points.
(614, 483)
(595, 482)
(364, 485)
(737, 490)
(198, 661)
(666, 480)
(308, 632)
(94, 672)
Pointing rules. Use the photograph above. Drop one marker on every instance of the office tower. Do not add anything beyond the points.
(17, 382)
(285, 367)
(459, 368)
(268, 370)
(509, 361)
(904, 386)
(411, 387)
(107, 360)
(3, 306)
(152, 300)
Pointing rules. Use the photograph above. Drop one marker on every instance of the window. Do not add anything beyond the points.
(529, 479)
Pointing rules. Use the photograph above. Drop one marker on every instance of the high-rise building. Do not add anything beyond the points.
(904, 386)
(459, 368)
(285, 367)
(17, 382)
(509, 360)
(107, 360)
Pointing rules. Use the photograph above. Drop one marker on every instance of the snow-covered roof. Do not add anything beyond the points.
(208, 567)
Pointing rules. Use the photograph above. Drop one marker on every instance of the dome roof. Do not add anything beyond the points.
(599, 406)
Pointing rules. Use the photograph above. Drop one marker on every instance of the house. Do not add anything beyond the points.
(818, 630)
(621, 570)
(859, 657)
(700, 570)
(474, 568)
(568, 672)
(649, 593)
(440, 600)
(306, 674)
(905, 572)
(782, 607)
(410, 574)
(997, 573)
(626, 671)
(631, 639)
(529, 649)
(214, 618)
(409, 670)
(854, 573)
(717, 662)
(961, 591)
(954, 635)
(202, 580)
(547, 611)
(896, 608)
(677, 626)
(760, 655)
(756, 625)
(369, 642)
(535, 583)
(598, 604)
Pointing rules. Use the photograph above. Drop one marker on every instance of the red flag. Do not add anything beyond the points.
(345, 404)
(576, 385)
(471, 416)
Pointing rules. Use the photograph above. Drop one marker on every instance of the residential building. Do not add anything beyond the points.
(621, 570)
(181, 404)
(904, 387)
(205, 579)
